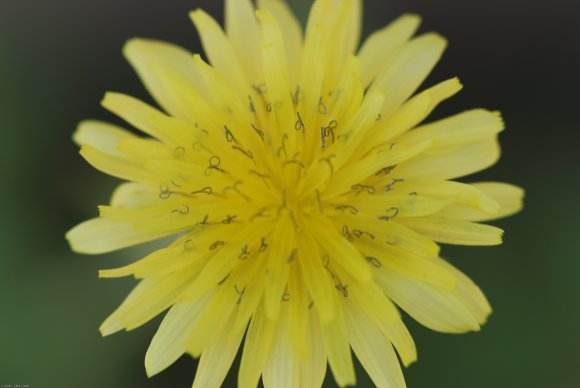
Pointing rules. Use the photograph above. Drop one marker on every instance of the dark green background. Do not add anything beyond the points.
(58, 57)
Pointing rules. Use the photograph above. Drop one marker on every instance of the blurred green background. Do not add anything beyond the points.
(57, 58)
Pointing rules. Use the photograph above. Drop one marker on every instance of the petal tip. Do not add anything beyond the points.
(150, 369)
(131, 46)
(109, 327)
(196, 15)
(75, 237)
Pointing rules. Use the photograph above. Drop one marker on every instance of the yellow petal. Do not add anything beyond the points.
(212, 320)
(370, 298)
(312, 76)
(357, 127)
(380, 45)
(469, 159)
(451, 231)
(170, 340)
(291, 32)
(140, 150)
(339, 108)
(281, 368)
(227, 257)
(342, 35)
(253, 283)
(217, 359)
(117, 166)
(460, 193)
(454, 132)
(393, 206)
(311, 372)
(227, 111)
(149, 120)
(354, 27)
(410, 114)
(402, 340)
(357, 172)
(469, 294)
(389, 256)
(135, 195)
(168, 72)
(297, 317)
(179, 256)
(102, 136)
(243, 32)
(365, 227)
(315, 276)
(282, 250)
(339, 249)
(373, 350)
(346, 100)
(407, 69)
(438, 309)
(101, 235)
(166, 216)
(219, 50)
(188, 174)
(509, 197)
(277, 82)
(146, 301)
(256, 349)
(335, 337)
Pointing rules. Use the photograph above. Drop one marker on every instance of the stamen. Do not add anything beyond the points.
(183, 211)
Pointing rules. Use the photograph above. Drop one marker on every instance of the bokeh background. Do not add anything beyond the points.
(58, 57)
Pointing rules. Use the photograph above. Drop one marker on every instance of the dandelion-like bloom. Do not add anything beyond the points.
(305, 195)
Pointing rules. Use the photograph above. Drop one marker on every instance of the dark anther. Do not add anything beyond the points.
(178, 152)
(188, 244)
(164, 192)
(322, 107)
(343, 288)
(243, 151)
(292, 256)
(359, 233)
(223, 280)
(393, 213)
(214, 164)
(263, 246)
(251, 105)
(390, 186)
(258, 131)
(386, 170)
(346, 233)
(283, 147)
(245, 253)
(296, 96)
(359, 188)
(183, 211)
(240, 293)
(203, 222)
(206, 190)
(373, 261)
(216, 245)
(299, 125)
(229, 219)
(328, 132)
(229, 135)
(353, 210)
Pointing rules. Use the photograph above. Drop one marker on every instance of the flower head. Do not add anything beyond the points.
(305, 194)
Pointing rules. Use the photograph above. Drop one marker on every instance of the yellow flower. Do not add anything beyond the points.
(305, 195)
